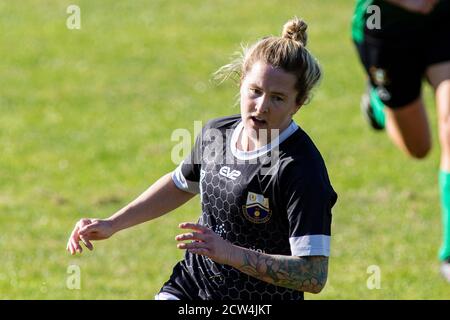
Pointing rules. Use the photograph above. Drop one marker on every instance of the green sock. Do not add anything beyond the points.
(444, 186)
(377, 107)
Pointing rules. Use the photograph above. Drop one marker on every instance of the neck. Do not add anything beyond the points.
(248, 143)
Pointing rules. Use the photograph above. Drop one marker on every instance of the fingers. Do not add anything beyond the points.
(194, 226)
(205, 242)
(201, 236)
(87, 243)
(73, 244)
(191, 236)
(84, 222)
(69, 247)
(200, 243)
(84, 231)
(195, 247)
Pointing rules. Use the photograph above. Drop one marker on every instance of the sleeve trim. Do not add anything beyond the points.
(310, 245)
(183, 184)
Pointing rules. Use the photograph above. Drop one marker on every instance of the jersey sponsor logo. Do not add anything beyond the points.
(257, 208)
(230, 174)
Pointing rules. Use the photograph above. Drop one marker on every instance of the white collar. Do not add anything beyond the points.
(248, 155)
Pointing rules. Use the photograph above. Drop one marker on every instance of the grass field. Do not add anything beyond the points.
(86, 122)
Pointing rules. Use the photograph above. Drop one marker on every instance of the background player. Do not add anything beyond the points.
(264, 231)
(412, 43)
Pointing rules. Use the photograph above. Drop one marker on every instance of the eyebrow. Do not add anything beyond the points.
(273, 92)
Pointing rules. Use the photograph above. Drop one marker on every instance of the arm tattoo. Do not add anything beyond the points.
(300, 273)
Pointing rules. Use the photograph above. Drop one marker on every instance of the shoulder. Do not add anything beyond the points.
(302, 165)
(299, 153)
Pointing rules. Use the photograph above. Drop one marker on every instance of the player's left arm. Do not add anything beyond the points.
(308, 274)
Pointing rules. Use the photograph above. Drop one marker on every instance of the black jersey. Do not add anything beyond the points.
(275, 200)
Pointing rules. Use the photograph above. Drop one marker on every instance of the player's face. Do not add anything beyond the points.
(268, 99)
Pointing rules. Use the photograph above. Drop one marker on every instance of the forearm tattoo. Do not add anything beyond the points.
(300, 273)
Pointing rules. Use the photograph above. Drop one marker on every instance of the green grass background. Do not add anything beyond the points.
(86, 118)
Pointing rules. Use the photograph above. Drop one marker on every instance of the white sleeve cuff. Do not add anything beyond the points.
(183, 184)
(310, 245)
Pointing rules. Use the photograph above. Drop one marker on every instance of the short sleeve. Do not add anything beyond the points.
(187, 175)
(309, 198)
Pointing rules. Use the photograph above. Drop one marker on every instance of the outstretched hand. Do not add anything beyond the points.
(86, 230)
(205, 242)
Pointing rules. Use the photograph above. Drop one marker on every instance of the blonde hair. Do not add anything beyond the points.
(287, 52)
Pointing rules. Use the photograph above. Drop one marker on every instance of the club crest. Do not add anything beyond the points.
(379, 76)
(257, 208)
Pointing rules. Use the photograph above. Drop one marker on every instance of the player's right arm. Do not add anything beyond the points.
(160, 198)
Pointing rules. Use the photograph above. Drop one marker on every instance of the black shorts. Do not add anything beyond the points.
(397, 55)
(181, 284)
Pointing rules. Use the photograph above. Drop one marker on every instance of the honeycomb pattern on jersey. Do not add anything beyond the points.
(222, 202)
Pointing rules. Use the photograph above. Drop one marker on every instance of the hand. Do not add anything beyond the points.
(206, 242)
(418, 6)
(86, 230)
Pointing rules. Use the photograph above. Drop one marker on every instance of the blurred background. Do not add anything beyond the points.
(86, 117)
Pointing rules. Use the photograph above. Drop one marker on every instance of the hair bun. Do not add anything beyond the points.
(295, 30)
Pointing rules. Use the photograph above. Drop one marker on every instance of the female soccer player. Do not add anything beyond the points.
(264, 230)
(411, 42)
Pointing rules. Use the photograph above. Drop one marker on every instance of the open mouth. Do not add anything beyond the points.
(258, 121)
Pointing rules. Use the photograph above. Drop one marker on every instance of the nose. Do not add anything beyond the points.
(263, 104)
